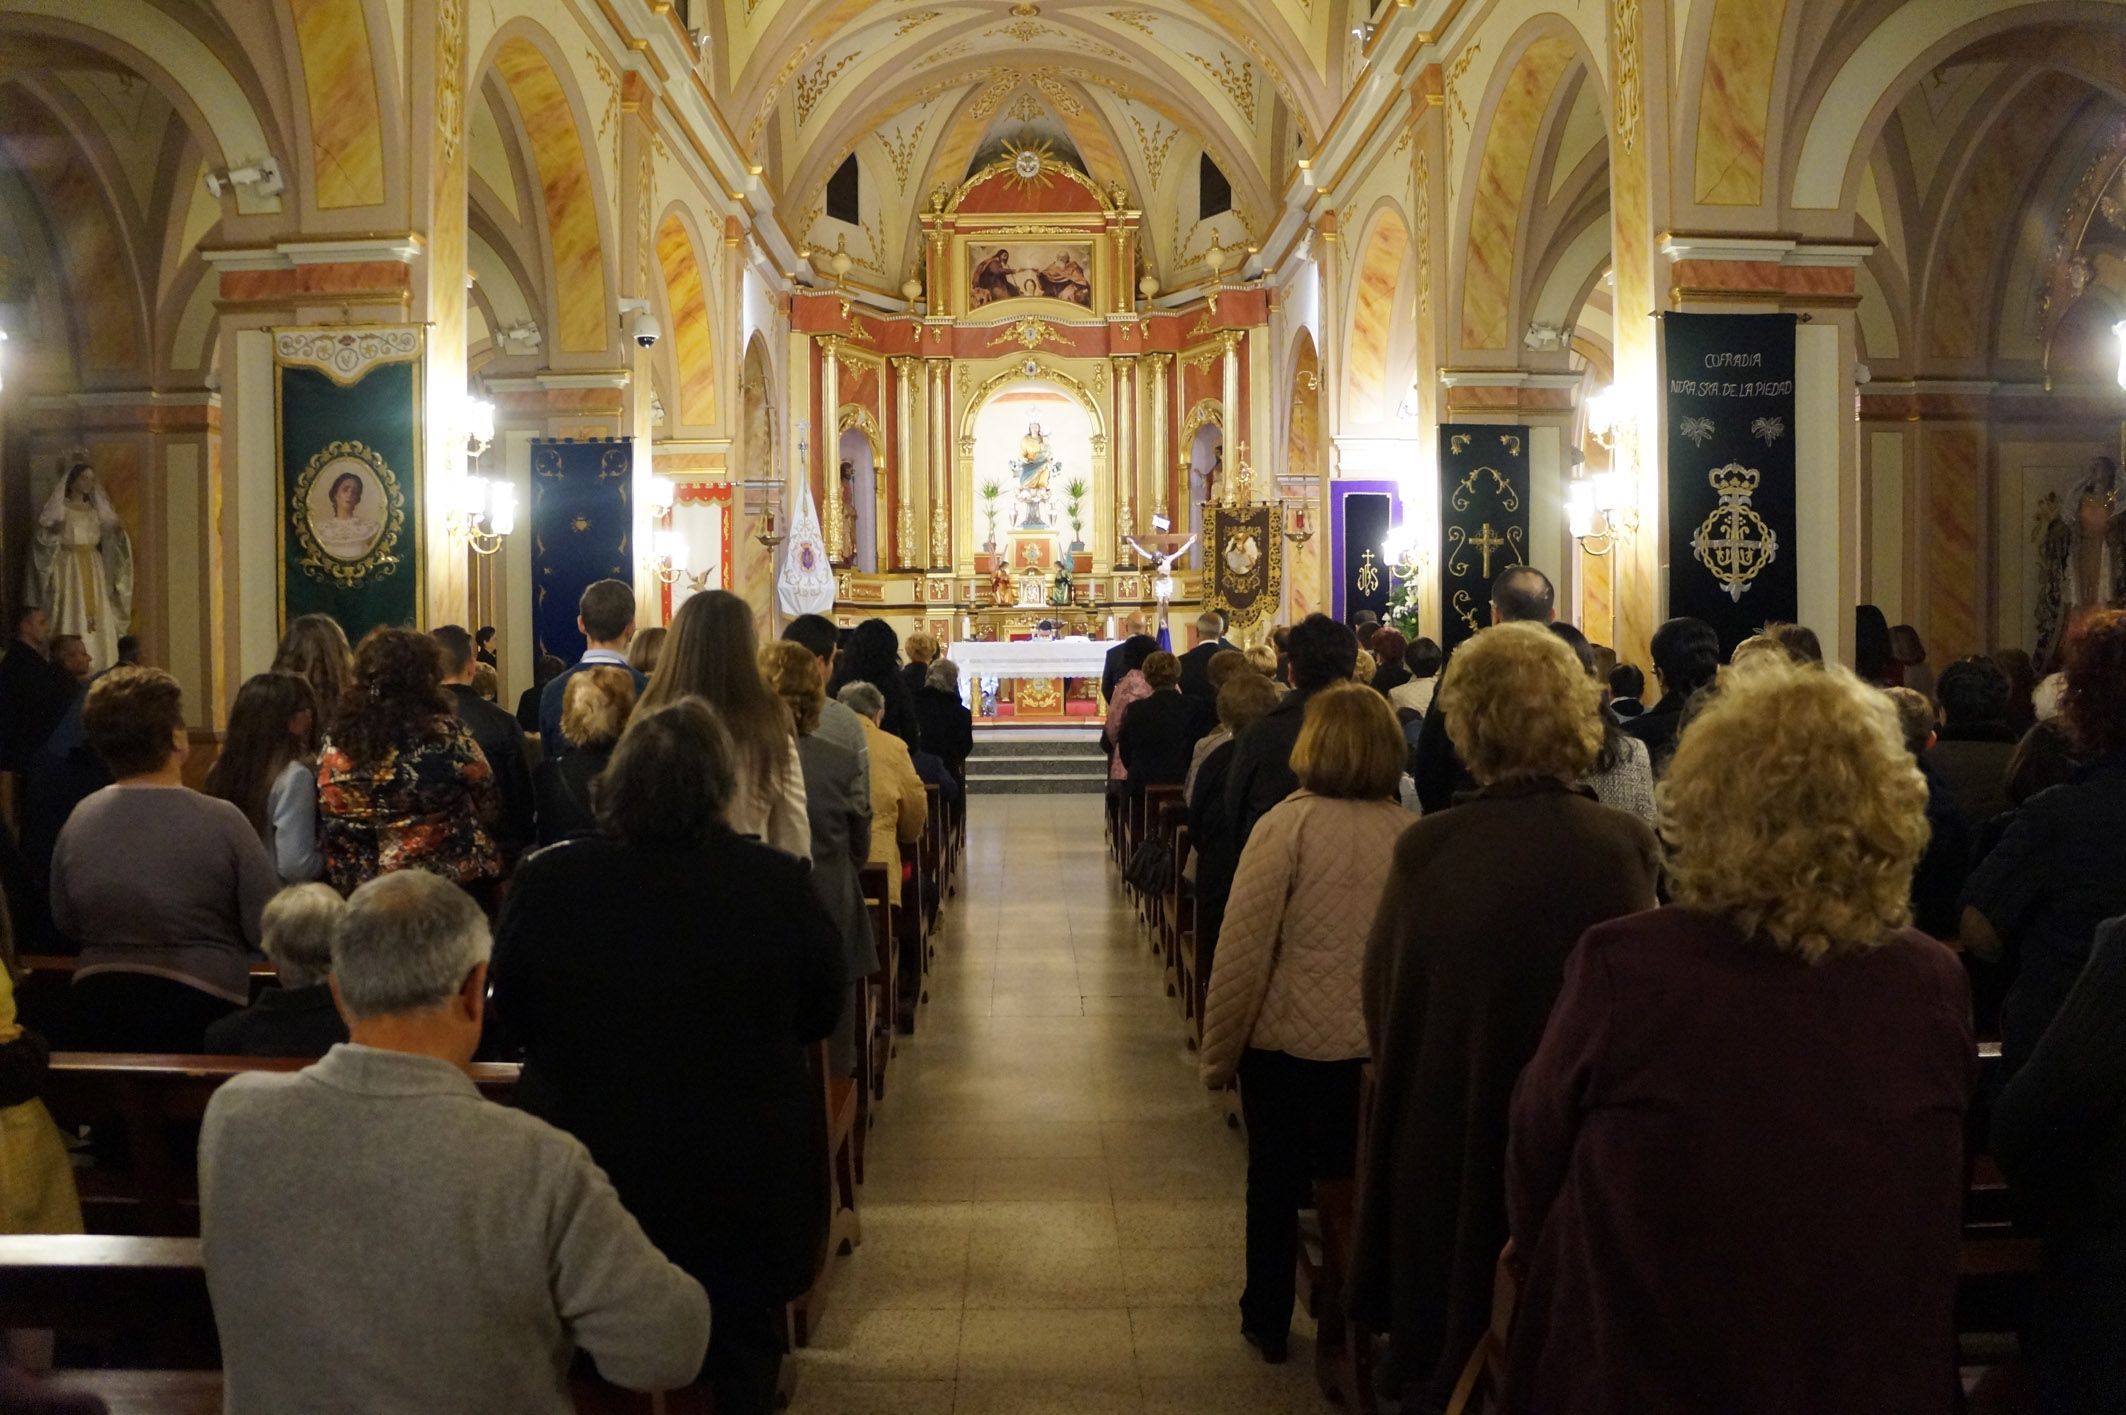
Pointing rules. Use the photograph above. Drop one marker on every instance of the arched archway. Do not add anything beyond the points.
(689, 317)
(550, 117)
(1377, 294)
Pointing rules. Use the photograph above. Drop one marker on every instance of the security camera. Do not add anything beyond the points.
(644, 327)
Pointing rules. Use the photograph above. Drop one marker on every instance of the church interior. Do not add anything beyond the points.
(1027, 329)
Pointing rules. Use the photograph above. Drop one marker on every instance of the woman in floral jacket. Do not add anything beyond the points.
(401, 783)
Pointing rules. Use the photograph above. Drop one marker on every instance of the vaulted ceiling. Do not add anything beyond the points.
(918, 89)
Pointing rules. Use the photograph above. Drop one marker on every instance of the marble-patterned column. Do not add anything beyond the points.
(940, 439)
(438, 103)
(1126, 454)
(1236, 428)
(904, 547)
(1162, 365)
(830, 446)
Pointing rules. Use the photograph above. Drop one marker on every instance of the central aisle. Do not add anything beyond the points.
(1052, 1207)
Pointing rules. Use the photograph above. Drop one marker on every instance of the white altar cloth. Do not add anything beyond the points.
(1026, 658)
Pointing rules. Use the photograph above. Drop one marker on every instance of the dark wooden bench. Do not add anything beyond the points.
(150, 1293)
(885, 988)
(838, 1096)
(150, 1107)
(44, 994)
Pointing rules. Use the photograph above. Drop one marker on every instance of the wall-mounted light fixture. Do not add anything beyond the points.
(482, 509)
(262, 176)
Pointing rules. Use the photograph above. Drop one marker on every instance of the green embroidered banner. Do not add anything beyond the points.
(349, 411)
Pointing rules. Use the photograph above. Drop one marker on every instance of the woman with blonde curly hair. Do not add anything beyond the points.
(1466, 955)
(1736, 1171)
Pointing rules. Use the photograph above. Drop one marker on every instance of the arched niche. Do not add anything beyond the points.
(970, 507)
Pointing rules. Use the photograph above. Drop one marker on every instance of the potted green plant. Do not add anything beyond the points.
(1076, 490)
(992, 493)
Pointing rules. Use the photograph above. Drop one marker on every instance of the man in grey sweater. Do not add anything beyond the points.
(380, 1238)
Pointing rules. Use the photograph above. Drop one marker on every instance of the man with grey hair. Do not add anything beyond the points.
(1196, 663)
(298, 1018)
(898, 803)
(379, 1237)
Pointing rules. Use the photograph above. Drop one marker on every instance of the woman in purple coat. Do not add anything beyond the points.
(1735, 1173)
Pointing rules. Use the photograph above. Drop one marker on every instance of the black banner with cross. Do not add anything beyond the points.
(1483, 493)
(1729, 380)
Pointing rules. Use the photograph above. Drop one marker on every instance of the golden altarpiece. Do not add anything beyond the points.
(1000, 439)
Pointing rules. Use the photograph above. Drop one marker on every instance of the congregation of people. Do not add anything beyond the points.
(1668, 1003)
(1668, 1011)
(642, 886)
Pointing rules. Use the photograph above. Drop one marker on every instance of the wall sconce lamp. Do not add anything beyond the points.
(1598, 511)
(2119, 329)
(1297, 528)
(262, 176)
(482, 509)
(1601, 406)
(1404, 560)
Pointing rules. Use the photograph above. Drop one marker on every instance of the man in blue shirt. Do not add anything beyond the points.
(606, 615)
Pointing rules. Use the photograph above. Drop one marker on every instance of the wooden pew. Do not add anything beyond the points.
(886, 982)
(155, 1103)
(930, 863)
(151, 1293)
(1181, 909)
(844, 1229)
(44, 995)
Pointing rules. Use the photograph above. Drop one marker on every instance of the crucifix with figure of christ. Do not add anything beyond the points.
(1163, 562)
(1486, 541)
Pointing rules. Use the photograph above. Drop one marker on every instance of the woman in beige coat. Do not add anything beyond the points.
(1284, 1011)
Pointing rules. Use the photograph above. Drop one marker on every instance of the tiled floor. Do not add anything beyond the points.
(1052, 1212)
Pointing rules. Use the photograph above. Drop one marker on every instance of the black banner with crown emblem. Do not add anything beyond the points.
(1483, 495)
(1729, 410)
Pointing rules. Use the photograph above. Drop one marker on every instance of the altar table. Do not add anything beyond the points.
(1026, 658)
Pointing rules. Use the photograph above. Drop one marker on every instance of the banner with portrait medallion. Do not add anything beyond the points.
(1243, 558)
(1729, 380)
(1483, 502)
(347, 399)
(583, 530)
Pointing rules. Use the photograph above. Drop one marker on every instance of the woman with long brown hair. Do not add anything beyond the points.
(712, 653)
(268, 770)
(402, 785)
(314, 648)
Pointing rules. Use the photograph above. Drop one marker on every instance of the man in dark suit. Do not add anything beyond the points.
(606, 615)
(1686, 655)
(501, 739)
(1323, 652)
(1196, 663)
(1521, 595)
(1111, 672)
(35, 692)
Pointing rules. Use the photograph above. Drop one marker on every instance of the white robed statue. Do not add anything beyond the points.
(81, 564)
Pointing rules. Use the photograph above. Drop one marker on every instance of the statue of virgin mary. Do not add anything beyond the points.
(81, 564)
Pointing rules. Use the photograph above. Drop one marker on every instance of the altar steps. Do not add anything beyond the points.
(1028, 761)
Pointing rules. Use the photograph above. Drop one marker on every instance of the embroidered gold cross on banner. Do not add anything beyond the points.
(1487, 540)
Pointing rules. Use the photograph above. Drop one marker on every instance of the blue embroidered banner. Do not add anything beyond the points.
(582, 525)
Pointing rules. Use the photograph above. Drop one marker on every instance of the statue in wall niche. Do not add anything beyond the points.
(2081, 547)
(81, 564)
